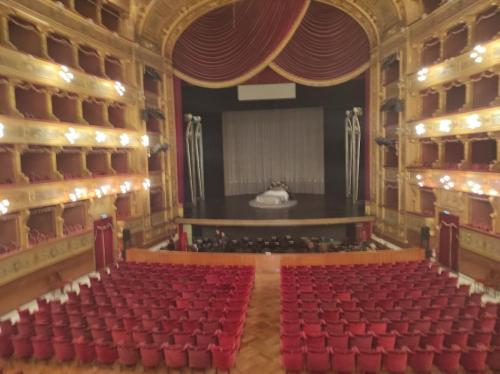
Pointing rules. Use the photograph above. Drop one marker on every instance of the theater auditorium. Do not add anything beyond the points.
(249, 186)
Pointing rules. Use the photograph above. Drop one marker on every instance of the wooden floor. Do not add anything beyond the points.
(259, 352)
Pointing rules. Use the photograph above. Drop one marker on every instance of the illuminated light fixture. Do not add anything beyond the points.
(447, 182)
(473, 121)
(102, 191)
(419, 177)
(146, 184)
(100, 137)
(77, 194)
(493, 192)
(124, 139)
(119, 88)
(420, 129)
(2, 130)
(98, 193)
(145, 140)
(4, 206)
(65, 74)
(475, 187)
(420, 184)
(125, 187)
(477, 53)
(422, 74)
(72, 135)
(445, 125)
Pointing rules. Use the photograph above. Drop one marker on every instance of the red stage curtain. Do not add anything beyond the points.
(233, 43)
(329, 46)
(103, 236)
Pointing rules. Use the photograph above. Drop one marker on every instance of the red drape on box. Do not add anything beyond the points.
(236, 41)
(448, 240)
(179, 138)
(103, 246)
(328, 45)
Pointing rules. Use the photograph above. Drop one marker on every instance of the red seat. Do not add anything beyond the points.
(106, 352)
(355, 327)
(473, 359)
(63, 348)
(23, 348)
(84, 350)
(339, 341)
(291, 341)
(128, 354)
(316, 340)
(396, 361)
(493, 360)
(318, 360)
(421, 359)
(121, 335)
(292, 359)
(434, 339)
(370, 361)
(480, 337)
(42, 348)
(377, 326)
(457, 337)
(344, 361)
(228, 339)
(401, 325)
(6, 348)
(386, 341)
(199, 358)
(448, 359)
(175, 356)
(150, 355)
(224, 358)
(409, 339)
(362, 341)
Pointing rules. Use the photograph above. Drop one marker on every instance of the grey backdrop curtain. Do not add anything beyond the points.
(265, 145)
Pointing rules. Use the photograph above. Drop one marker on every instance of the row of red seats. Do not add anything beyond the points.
(120, 313)
(386, 308)
(420, 360)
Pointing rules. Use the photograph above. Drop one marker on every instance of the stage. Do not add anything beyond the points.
(311, 210)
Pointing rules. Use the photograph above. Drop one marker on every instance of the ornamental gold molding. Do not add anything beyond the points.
(25, 67)
(391, 174)
(21, 263)
(432, 178)
(414, 222)
(28, 131)
(52, 193)
(489, 119)
(457, 68)
(479, 243)
(444, 17)
(81, 30)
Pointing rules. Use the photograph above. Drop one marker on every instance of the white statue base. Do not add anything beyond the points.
(275, 198)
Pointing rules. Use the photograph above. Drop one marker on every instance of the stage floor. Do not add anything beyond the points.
(310, 210)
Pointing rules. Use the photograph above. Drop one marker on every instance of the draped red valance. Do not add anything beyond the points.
(328, 45)
(235, 42)
(304, 41)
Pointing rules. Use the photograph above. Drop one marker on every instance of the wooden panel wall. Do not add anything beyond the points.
(273, 262)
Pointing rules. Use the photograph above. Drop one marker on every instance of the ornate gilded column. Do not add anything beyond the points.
(440, 160)
(4, 26)
(59, 221)
(470, 21)
(98, 4)
(441, 101)
(467, 161)
(44, 31)
(469, 95)
(48, 103)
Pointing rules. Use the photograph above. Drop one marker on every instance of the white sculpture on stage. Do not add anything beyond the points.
(276, 196)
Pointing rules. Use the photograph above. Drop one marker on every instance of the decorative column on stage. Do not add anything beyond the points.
(194, 155)
(352, 152)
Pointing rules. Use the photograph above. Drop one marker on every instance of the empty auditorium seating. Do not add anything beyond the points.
(392, 317)
(184, 316)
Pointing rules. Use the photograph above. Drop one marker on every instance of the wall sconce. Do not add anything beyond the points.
(100, 137)
(477, 53)
(475, 187)
(4, 206)
(146, 184)
(420, 129)
(2, 130)
(125, 187)
(473, 121)
(119, 88)
(77, 194)
(65, 74)
(447, 182)
(422, 74)
(72, 135)
(145, 140)
(445, 125)
(124, 139)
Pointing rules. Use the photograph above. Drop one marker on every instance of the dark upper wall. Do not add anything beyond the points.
(335, 100)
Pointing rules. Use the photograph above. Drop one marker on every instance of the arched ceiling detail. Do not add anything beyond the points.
(161, 22)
